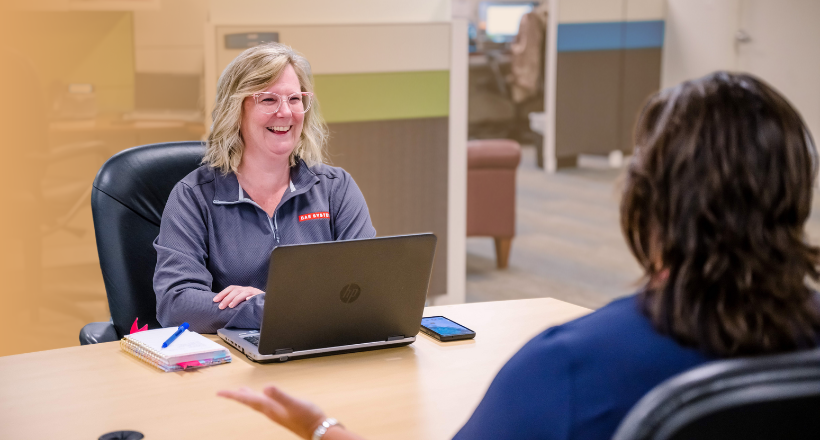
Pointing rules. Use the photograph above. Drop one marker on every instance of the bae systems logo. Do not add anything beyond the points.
(314, 216)
(350, 293)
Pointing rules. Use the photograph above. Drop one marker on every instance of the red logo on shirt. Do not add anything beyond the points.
(313, 216)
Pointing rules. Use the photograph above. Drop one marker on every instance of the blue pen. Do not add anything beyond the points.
(176, 334)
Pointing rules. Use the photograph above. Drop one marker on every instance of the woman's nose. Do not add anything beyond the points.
(284, 110)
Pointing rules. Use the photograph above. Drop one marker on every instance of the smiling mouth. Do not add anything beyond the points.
(279, 130)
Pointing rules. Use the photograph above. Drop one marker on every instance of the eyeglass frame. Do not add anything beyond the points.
(303, 94)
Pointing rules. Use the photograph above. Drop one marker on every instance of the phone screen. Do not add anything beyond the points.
(444, 326)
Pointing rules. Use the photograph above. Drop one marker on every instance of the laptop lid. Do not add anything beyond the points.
(347, 292)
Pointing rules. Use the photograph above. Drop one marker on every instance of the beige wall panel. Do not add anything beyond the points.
(169, 40)
(589, 11)
(592, 11)
(80, 5)
(643, 10)
(174, 60)
(356, 49)
(302, 12)
(177, 22)
(700, 38)
(783, 51)
(401, 167)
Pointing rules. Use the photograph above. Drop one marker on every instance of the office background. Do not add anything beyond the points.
(84, 79)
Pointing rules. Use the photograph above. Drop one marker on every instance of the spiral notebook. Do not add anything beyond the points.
(189, 350)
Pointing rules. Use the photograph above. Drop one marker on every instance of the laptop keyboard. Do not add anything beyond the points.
(252, 339)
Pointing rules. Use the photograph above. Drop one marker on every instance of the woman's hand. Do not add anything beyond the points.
(297, 415)
(232, 296)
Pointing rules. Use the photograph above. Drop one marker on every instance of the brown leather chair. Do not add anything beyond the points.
(491, 165)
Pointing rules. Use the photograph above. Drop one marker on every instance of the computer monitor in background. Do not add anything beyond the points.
(500, 20)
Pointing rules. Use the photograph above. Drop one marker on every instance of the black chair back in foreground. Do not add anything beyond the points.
(766, 397)
(127, 200)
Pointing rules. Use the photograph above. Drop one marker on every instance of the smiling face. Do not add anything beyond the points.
(272, 136)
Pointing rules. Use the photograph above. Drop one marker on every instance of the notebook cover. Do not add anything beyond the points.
(189, 350)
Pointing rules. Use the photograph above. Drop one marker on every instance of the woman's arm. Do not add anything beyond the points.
(297, 415)
(182, 282)
(348, 210)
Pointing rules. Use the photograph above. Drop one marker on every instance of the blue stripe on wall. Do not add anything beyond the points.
(643, 34)
(573, 37)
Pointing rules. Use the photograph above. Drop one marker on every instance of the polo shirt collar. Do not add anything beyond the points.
(228, 189)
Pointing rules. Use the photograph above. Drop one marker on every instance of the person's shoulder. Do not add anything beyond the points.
(620, 333)
(203, 175)
(192, 187)
(618, 321)
(620, 317)
(624, 311)
(323, 170)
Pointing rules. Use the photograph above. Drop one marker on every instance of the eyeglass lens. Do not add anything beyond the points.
(269, 103)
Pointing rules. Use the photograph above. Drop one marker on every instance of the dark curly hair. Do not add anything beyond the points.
(713, 208)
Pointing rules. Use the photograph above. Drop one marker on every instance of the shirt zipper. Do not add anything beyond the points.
(275, 227)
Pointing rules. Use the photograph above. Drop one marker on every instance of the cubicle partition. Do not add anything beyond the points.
(608, 62)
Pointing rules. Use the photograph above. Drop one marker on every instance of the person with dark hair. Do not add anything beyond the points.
(713, 208)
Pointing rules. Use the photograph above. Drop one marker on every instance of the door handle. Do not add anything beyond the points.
(741, 36)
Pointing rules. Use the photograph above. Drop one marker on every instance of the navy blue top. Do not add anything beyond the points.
(578, 380)
(212, 236)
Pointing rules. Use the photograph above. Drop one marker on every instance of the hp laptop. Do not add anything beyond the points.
(339, 297)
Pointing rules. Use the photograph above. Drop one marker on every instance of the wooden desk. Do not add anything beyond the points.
(423, 391)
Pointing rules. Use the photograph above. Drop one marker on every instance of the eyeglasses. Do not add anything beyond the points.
(269, 102)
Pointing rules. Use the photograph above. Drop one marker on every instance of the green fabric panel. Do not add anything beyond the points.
(383, 96)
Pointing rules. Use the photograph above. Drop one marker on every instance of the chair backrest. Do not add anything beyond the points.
(763, 397)
(127, 200)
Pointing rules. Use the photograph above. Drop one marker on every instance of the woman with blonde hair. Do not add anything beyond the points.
(263, 183)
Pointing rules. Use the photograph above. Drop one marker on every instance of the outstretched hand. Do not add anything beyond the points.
(297, 415)
(232, 296)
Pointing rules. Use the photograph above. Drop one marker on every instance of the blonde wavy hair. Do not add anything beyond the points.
(253, 71)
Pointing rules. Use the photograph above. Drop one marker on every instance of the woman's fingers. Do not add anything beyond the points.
(229, 297)
(280, 396)
(299, 416)
(219, 296)
(232, 296)
(238, 296)
(304, 416)
(263, 404)
(242, 295)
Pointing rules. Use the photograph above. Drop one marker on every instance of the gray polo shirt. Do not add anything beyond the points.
(213, 236)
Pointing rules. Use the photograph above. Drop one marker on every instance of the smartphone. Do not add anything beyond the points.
(443, 329)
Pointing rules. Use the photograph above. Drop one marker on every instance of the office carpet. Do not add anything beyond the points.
(568, 242)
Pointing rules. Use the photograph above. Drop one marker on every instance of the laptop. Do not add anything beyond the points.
(340, 297)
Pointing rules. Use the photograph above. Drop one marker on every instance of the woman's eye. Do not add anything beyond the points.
(269, 100)
(295, 99)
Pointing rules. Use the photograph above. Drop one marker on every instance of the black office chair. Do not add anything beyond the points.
(129, 195)
(768, 397)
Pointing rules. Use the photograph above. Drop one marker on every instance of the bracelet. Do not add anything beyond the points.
(323, 427)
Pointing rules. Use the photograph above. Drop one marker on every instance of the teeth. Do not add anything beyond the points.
(285, 128)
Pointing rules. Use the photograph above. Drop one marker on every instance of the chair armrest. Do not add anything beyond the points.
(97, 332)
(493, 154)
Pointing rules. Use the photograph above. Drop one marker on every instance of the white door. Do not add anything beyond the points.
(779, 41)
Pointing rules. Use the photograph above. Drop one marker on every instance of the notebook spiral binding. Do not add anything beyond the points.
(153, 358)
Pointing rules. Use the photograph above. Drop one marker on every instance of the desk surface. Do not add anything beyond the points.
(426, 390)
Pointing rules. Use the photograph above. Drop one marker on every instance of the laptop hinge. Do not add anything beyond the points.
(395, 338)
(283, 351)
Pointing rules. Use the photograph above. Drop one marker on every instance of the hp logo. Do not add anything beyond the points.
(350, 293)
